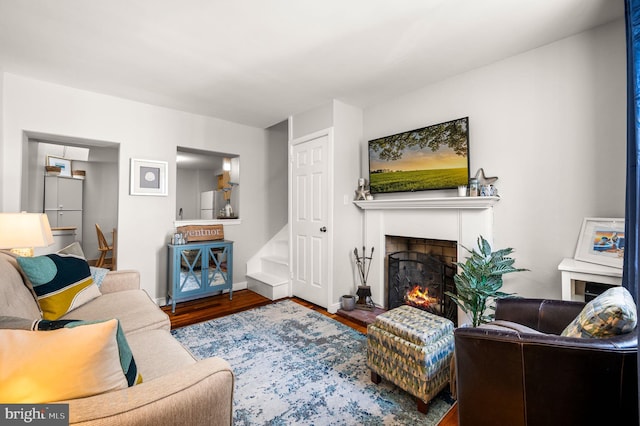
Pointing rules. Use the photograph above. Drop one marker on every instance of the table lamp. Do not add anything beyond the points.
(21, 232)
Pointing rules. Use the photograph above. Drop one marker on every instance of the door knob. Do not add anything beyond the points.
(323, 229)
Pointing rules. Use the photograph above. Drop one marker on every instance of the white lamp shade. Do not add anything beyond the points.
(18, 230)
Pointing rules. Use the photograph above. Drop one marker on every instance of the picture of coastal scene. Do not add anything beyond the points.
(608, 242)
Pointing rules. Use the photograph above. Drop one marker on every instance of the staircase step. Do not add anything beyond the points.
(276, 259)
(270, 286)
(268, 279)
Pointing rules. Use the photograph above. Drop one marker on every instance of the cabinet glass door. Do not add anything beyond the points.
(190, 270)
(217, 273)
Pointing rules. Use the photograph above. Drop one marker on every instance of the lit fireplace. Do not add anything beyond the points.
(420, 298)
(420, 280)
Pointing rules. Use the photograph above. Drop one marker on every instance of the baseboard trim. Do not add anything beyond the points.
(163, 301)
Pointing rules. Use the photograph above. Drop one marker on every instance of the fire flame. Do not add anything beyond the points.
(419, 297)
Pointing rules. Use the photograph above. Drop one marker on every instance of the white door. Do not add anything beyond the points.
(309, 219)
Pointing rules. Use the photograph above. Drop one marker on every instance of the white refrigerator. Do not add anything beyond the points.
(210, 204)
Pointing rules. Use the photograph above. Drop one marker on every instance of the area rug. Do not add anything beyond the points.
(295, 366)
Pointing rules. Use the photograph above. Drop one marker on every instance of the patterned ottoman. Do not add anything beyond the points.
(412, 349)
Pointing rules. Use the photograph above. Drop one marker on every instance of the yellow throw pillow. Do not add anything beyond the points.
(47, 366)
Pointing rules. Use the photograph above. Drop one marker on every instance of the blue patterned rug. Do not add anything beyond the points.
(297, 366)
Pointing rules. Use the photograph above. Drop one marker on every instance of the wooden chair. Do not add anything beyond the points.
(104, 248)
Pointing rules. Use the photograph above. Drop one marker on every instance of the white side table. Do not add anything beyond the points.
(573, 270)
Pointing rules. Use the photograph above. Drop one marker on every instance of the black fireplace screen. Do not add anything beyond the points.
(420, 280)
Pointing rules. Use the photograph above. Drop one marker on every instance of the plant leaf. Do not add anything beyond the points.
(479, 280)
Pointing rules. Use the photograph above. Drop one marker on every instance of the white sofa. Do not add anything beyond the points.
(176, 389)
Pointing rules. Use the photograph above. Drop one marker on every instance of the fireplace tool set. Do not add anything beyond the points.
(363, 262)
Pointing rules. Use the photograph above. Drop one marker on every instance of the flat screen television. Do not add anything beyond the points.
(433, 157)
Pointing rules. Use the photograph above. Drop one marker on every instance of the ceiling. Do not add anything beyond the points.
(256, 62)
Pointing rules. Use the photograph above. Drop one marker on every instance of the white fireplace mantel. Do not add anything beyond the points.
(460, 219)
(429, 203)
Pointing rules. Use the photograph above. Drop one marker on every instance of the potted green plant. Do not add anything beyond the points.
(480, 279)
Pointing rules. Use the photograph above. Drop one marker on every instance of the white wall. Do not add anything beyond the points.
(100, 203)
(307, 122)
(145, 132)
(551, 124)
(188, 193)
(347, 218)
(276, 183)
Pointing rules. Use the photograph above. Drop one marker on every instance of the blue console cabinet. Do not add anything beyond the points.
(199, 269)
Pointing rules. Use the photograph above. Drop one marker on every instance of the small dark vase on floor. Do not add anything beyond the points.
(348, 302)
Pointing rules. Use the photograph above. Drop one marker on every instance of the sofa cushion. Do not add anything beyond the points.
(61, 282)
(134, 308)
(16, 298)
(154, 363)
(17, 323)
(66, 363)
(611, 313)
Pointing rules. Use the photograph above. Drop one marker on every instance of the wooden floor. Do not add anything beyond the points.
(199, 310)
(207, 308)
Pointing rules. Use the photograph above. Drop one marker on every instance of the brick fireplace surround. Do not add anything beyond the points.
(460, 219)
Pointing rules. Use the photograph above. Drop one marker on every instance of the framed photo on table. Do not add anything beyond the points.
(64, 164)
(601, 241)
(148, 177)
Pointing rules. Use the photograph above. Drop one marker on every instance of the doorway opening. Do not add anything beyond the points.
(87, 197)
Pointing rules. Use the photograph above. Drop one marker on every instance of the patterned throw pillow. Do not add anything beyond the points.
(61, 282)
(611, 313)
(75, 249)
(98, 274)
(65, 363)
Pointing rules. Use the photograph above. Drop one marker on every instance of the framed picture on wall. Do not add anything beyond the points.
(64, 164)
(601, 241)
(148, 177)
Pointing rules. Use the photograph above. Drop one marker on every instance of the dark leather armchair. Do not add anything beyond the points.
(508, 377)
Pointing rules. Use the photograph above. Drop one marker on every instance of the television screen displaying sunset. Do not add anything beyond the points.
(433, 157)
